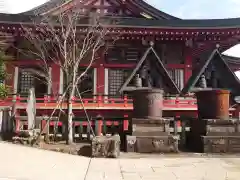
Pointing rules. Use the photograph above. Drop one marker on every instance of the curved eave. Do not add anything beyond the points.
(51, 4)
(153, 10)
(140, 23)
(179, 24)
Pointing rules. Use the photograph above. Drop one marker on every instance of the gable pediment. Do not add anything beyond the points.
(157, 72)
(225, 77)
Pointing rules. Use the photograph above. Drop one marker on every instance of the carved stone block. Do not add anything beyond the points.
(215, 144)
(131, 143)
(150, 127)
(215, 135)
(106, 146)
(221, 144)
(152, 144)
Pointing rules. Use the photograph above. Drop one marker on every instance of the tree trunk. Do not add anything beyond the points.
(69, 121)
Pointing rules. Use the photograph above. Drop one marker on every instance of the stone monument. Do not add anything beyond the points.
(150, 130)
(214, 131)
(31, 109)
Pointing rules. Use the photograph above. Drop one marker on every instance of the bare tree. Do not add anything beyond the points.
(67, 41)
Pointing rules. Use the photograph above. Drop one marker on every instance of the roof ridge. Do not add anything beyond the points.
(144, 6)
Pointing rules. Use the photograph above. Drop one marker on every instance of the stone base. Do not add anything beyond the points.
(214, 135)
(106, 146)
(152, 144)
(27, 137)
(150, 127)
(221, 144)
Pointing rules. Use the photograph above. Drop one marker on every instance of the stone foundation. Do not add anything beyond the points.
(215, 136)
(152, 144)
(151, 136)
(217, 144)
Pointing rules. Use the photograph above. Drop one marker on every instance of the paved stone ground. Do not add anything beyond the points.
(23, 163)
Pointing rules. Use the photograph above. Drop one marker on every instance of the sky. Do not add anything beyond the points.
(185, 9)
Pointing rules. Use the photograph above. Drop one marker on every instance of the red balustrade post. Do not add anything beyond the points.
(98, 126)
(177, 101)
(125, 122)
(178, 120)
(100, 100)
(45, 100)
(43, 125)
(125, 101)
(18, 98)
(73, 99)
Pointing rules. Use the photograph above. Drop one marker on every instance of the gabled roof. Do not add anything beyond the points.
(227, 77)
(44, 7)
(134, 5)
(161, 70)
(151, 10)
(232, 60)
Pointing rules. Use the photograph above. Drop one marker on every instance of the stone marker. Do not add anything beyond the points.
(31, 109)
(106, 146)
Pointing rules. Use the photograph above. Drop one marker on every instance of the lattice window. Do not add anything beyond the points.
(116, 79)
(177, 76)
(26, 82)
(28, 79)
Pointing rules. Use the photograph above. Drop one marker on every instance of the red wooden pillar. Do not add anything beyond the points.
(10, 69)
(100, 79)
(56, 78)
(100, 74)
(188, 64)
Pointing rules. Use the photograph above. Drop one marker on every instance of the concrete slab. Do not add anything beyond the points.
(23, 163)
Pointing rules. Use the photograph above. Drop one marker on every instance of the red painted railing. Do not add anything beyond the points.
(97, 102)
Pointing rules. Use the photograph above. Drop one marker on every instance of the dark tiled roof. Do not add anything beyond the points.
(142, 23)
(208, 23)
(231, 59)
(138, 3)
(15, 18)
(45, 7)
(152, 10)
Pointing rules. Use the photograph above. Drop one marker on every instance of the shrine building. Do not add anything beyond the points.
(174, 46)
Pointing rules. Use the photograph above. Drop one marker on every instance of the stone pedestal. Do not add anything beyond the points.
(106, 146)
(214, 131)
(151, 136)
(215, 135)
(150, 131)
